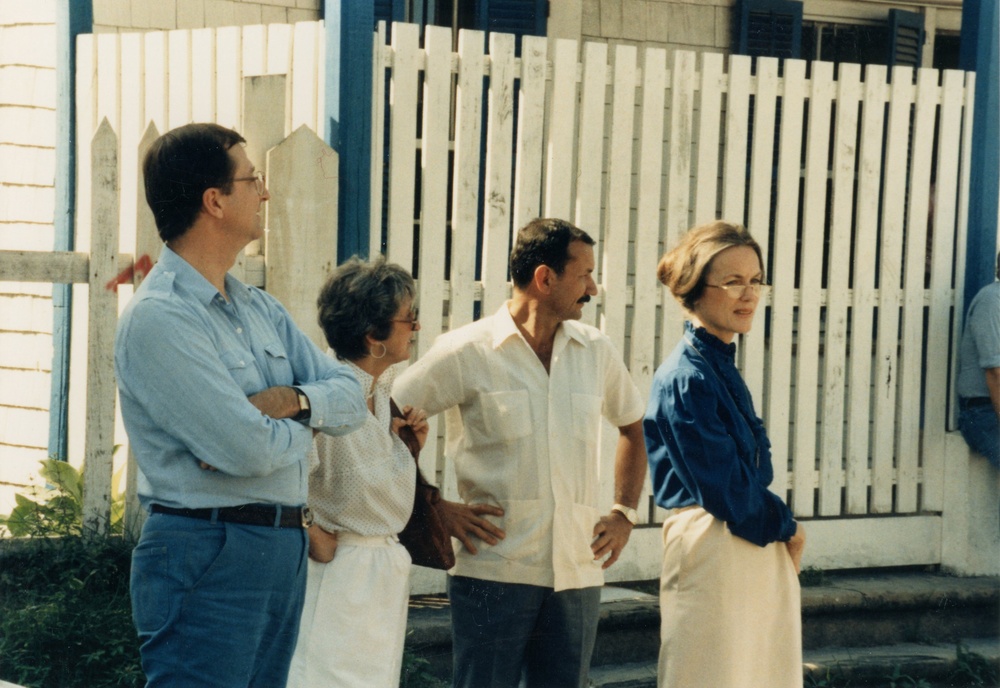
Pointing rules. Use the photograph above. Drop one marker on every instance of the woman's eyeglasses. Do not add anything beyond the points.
(413, 320)
(738, 291)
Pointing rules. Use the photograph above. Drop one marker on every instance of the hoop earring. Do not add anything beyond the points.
(382, 355)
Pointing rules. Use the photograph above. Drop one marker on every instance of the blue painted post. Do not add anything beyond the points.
(980, 52)
(72, 19)
(349, 27)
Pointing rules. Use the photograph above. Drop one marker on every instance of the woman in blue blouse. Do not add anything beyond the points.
(729, 592)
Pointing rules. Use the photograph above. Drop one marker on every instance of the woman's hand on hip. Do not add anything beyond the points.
(322, 544)
(795, 545)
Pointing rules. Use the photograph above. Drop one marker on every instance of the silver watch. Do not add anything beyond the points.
(628, 512)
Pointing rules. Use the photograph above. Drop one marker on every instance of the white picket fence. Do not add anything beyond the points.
(833, 176)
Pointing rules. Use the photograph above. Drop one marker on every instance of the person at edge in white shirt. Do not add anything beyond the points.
(524, 391)
(221, 394)
(361, 492)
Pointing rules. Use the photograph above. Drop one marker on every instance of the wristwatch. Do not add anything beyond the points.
(304, 410)
(628, 512)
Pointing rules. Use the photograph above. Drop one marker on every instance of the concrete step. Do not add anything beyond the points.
(904, 664)
(853, 611)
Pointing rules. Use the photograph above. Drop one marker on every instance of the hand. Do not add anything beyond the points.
(276, 402)
(795, 545)
(322, 544)
(207, 467)
(611, 535)
(465, 521)
(416, 419)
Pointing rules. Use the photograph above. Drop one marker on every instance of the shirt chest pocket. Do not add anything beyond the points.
(240, 365)
(279, 369)
(586, 417)
(506, 416)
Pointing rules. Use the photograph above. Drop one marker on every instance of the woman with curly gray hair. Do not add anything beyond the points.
(361, 492)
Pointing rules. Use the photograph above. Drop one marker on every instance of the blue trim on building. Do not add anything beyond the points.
(72, 19)
(980, 51)
(349, 27)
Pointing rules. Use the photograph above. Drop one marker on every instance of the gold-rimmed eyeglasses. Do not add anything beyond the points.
(258, 179)
(738, 291)
(412, 321)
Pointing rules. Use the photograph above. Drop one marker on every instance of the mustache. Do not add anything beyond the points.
(585, 299)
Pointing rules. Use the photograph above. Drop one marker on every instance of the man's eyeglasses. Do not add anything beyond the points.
(257, 178)
(738, 291)
(413, 320)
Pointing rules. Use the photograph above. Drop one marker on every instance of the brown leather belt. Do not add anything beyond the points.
(272, 515)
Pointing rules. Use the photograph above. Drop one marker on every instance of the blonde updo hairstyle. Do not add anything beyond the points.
(684, 267)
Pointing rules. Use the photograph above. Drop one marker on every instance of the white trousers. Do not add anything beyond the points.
(354, 619)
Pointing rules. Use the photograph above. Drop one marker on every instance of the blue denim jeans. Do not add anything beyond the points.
(981, 431)
(217, 605)
(506, 634)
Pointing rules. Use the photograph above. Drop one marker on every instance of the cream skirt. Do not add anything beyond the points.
(730, 611)
(354, 619)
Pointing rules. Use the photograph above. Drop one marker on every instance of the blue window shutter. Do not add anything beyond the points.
(769, 28)
(390, 10)
(906, 38)
(519, 17)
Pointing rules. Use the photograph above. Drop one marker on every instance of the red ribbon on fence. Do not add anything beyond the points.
(141, 266)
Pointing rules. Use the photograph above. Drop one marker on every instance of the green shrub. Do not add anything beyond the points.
(65, 612)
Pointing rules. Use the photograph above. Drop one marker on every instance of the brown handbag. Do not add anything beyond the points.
(426, 535)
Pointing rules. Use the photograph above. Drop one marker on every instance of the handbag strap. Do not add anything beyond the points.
(405, 431)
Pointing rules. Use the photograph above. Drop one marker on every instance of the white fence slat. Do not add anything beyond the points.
(264, 104)
(203, 75)
(303, 179)
(499, 147)
(378, 136)
(154, 51)
(254, 50)
(810, 288)
(737, 138)
(103, 313)
(709, 114)
(465, 184)
(108, 70)
(132, 123)
(642, 337)
(682, 82)
(434, 202)
(590, 155)
(530, 131)
(953, 148)
(858, 476)
(891, 255)
(147, 241)
(780, 400)
(306, 87)
(228, 83)
(402, 144)
(279, 48)
(434, 182)
(616, 227)
(838, 270)
(179, 78)
(562, 130)
(914, 269)
(759, 207)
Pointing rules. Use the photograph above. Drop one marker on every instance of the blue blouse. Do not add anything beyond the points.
(706, 444)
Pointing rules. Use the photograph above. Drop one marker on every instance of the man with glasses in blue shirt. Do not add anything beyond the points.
(221, 394)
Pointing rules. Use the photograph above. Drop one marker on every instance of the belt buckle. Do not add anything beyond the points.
(307, 517)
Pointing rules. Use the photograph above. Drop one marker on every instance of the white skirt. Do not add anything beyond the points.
(730, 611)
(354, 619)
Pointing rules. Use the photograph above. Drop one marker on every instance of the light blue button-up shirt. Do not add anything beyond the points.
(186, 361)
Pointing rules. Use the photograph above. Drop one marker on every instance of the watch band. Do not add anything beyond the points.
(628, 512)
(305, 411)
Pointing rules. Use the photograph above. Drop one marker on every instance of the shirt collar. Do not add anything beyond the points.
(504, 328)
(709, 342)
(203, 290)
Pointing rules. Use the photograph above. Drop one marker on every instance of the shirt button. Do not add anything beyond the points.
(239, 330)
(242, 363)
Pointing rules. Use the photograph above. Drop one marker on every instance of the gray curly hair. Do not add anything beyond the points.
(361, 298)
